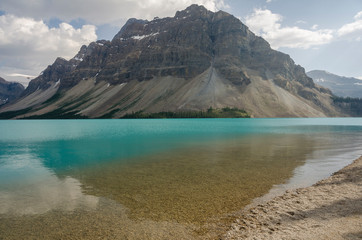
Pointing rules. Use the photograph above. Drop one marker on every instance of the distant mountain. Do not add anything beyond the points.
(9, 91)
(190, 62)
(340, 86)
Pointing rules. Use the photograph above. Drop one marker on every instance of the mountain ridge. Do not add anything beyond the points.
(192, 61)
(9, 91)
(340, 86)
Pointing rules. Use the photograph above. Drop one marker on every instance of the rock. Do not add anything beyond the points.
(9, 91)
(291, 213)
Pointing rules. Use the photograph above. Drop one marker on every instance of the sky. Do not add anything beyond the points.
(317, 34)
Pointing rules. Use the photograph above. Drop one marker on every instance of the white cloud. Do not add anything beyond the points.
(315, 27)
(354, 29)
(28, 46)
(102, 12)
(268, 25)
(20, 75)
(358, 16)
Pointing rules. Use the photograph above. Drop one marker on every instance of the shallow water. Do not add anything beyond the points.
(169, 177)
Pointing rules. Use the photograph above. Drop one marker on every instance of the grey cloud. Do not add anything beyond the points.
(101, 12)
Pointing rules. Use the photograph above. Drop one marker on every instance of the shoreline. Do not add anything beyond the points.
(329, 209)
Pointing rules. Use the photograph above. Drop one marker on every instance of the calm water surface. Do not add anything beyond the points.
(162, 178)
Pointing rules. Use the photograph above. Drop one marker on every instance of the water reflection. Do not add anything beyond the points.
(27, 187)
(205, 180)
(36, 202)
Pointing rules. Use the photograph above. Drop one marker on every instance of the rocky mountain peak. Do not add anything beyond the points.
(193, 11)
(184, 46)
(202, 58)
(131, 27)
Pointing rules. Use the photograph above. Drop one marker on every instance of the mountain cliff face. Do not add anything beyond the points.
(9, 91)
(340, 86)
(192, 61)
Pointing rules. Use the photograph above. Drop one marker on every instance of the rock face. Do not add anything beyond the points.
(195, 60)
(9, 91)
(59, 70)
(340, 86)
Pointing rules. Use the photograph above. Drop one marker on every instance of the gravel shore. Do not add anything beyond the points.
(330, 209)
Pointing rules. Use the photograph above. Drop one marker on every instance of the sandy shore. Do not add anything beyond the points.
(330, 209)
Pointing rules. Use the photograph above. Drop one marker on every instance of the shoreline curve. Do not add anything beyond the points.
(329, 209)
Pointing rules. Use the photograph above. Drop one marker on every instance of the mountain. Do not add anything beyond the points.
(340, 86)
(190, 62)
(9, 91)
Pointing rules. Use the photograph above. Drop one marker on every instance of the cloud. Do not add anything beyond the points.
(353, 29)
(27, 46)
(268, 25)
(358, 16)
(315, 27)
(102, 12)
(20, 75)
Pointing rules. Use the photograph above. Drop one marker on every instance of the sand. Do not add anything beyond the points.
(330, 209)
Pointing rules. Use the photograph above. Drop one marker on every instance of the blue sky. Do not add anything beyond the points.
(322, 34)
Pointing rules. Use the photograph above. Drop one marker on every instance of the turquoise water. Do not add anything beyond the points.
(40, 160)
(67, 143)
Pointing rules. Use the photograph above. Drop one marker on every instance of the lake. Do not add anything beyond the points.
(157, 178)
